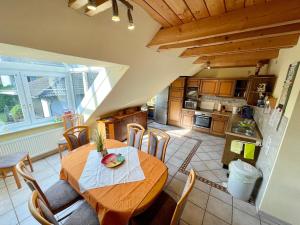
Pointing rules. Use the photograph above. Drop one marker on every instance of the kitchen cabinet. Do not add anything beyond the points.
(187, 118)
(219, 124)
(174, 112)
(208, 87)
(178, 83)
(226, 88)
(176, 93)
(193, 82)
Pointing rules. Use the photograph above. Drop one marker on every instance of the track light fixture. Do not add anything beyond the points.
(208, 65)
(92, 5)
(130, 20)
(115, 16)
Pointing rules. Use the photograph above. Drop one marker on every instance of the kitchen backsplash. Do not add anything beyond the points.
(228, 102)
(271, 144)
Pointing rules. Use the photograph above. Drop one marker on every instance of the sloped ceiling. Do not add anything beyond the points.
(52, 26)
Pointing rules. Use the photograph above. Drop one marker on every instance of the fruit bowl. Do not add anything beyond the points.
(112, 160)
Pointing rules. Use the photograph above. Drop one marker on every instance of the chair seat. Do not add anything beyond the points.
(83, 215)
(61, 195)
(11, 160)
(160, 212)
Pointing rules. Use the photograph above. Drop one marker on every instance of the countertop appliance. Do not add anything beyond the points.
(247, 112)
(203, 118)
(190, 104)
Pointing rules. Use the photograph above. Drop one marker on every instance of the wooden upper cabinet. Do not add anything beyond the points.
(176, 93)
(174, 112)
(178, 83)
(226, 88)
(192, 82)
(208, 87)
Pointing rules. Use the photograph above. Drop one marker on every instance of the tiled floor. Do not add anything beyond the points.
(207, 205)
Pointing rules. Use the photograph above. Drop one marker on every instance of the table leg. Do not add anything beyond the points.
(59, 150)
(14, 170)
(29, 162)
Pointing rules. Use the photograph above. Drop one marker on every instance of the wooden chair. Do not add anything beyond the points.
(83, 215)
(77, 136)
(69, 120)
(157, 143)
(8, 164)
(165, 210)
(57, 198)
(135, 133)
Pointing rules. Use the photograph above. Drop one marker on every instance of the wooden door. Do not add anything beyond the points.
(218, 127)
(208, 87)
(187, 118)
(226, 88)
(178, 83)
(174, 112)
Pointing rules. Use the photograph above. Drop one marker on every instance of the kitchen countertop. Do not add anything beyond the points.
(226, 113)
(235, 119)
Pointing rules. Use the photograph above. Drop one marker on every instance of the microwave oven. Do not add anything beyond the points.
(189, 104)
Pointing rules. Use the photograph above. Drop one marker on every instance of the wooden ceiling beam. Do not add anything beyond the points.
(244, 46)
(102, 5)
(247, 63)
(274, 13)
(198, 8)
(259, 55)
(243, 36)
(181, 10)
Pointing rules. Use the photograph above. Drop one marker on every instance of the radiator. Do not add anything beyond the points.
(35, 144)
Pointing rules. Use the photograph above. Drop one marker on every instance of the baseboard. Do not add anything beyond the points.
(268, 218)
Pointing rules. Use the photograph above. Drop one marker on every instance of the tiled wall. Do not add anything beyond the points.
(271, 143)
(228, 102)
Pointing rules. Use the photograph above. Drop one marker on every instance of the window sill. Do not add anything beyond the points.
(27, 127)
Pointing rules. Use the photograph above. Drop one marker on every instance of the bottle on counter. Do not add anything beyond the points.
(219, 107)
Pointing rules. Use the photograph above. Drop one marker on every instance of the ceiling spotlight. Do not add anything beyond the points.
(130, 20)
(92, 5)
(208, 65)
(115, 16)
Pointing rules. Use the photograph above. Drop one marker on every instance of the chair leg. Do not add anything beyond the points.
(29, 162)
(14, 170)
(60, 151)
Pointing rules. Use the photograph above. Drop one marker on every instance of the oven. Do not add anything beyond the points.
(202, 120)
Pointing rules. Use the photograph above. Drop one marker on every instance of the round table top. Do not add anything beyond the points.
(104, 198)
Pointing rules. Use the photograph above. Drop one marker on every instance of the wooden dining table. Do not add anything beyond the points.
(116, 204)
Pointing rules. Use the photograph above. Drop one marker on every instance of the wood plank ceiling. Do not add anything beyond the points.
(216, 28)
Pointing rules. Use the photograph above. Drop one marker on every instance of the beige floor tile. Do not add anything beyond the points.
(181, 222)
(210, 219)
(192, 214)
(199, 166)
(180, 155)
(214, 155)
(199, 198)
(29, 221)
(8, 218)
(175, 161)
(202, 186)
(5, 204)
(245, 207)
(241, 218)
(20, 197)
(203, 156)
(209, 176)
(221, 195)
(219, 209)
(176, 186)
(22, 211)
(212, 165)
(221, 174)
(181, 176)
(172, 170)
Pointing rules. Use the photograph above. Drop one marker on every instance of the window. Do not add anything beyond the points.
(10, 107)
(37, 92)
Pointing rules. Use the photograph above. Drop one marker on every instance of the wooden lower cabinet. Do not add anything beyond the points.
(116, 127)
(187, 118)
(174, 112)
(219, 124)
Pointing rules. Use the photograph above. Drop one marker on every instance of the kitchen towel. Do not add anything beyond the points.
(236, 146)
(249, 151)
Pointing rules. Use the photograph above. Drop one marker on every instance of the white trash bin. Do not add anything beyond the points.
(242, 178)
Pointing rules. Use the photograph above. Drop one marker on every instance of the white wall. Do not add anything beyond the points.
(50, 25)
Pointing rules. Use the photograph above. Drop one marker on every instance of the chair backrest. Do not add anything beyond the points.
(77, 136)
(72, 120)
(157, 143)
(135, 133)
(30, 181)
(182, 201)
(40, 211)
